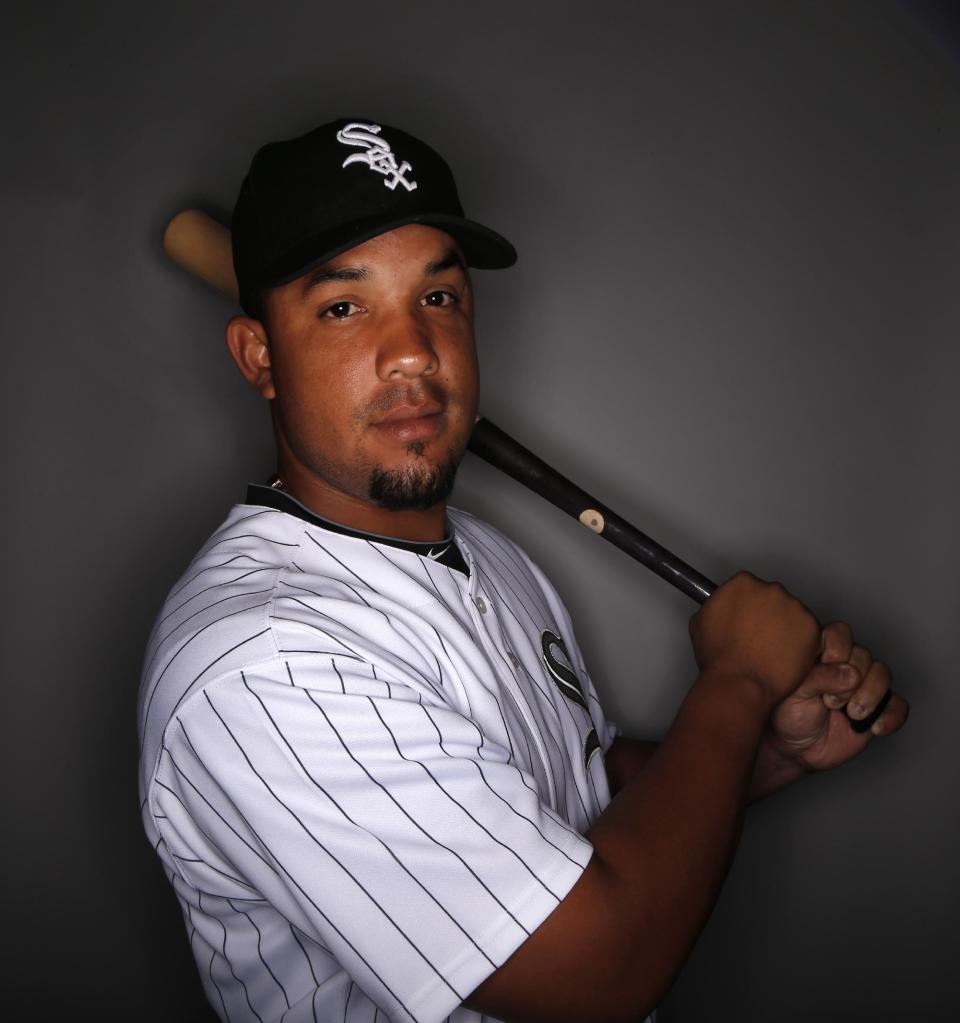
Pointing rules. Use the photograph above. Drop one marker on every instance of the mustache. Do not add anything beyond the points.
(403, 394)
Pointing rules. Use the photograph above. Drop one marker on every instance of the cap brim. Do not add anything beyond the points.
(482, 248)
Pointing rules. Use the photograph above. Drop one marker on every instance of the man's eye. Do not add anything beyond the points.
(340, 310)
(440, 298)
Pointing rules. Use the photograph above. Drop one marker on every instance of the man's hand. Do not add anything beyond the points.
(809, 727)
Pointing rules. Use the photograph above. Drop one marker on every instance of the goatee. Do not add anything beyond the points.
(413, 487)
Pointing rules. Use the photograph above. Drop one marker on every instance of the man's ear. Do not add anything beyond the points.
(249, 345)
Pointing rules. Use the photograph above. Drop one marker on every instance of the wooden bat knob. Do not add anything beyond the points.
(201, 245)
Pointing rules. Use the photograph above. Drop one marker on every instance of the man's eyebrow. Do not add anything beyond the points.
(323, 275)
(326, 274)
(450, 260)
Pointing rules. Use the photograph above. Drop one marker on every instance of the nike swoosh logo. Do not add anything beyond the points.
(433, 555)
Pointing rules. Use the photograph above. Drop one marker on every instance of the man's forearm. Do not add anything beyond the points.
(661, 850)
(625, 759)
(772, 771)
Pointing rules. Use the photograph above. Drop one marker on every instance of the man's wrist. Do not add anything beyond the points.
(773, 770)
(742, 689)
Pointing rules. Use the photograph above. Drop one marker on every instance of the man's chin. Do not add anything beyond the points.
(412, 487)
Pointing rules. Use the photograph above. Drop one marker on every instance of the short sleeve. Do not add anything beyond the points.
(390, 830)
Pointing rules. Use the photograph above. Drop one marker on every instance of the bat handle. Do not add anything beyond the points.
(491, 444)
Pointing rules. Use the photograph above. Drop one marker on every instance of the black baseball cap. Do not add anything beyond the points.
(307, 199)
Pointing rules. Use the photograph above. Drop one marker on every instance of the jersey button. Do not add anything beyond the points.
(514, 660)
(481, 605)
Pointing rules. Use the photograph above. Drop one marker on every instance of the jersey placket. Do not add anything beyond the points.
(482, 611)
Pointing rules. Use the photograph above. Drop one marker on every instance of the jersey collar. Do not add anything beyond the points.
(444, 552)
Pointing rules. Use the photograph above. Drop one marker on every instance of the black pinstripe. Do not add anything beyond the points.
(246, 993)
(253, 924)
(306, 954)
(206, 589)
(339, 562)
(346, 1004)
(246, 536)
(217, 870)
(212, 568)
(231, 525)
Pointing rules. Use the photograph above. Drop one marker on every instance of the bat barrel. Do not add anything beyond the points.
(491, 444)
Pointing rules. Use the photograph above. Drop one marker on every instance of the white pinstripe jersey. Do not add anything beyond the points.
(367, 766)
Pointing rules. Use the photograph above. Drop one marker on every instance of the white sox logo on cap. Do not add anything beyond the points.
(378, 156)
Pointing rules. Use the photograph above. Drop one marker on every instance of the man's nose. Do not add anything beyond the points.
(406, 350)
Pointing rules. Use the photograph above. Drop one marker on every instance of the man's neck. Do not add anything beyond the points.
(424, 525)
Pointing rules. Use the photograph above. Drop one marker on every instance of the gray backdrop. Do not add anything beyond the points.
(734, 319)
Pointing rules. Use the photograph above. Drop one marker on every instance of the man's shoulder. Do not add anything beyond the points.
(216, 617)
(234, 571)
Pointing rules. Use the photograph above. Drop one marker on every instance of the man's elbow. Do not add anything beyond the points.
(595, 958)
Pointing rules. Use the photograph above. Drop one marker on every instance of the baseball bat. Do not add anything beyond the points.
(201, 245)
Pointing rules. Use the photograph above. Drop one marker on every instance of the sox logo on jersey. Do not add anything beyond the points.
(557, 661)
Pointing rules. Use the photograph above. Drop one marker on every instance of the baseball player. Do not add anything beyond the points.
(373, 763)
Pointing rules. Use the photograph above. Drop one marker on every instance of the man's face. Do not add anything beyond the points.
(374, 366)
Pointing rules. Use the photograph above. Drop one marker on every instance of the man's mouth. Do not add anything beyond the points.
(411, 422)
